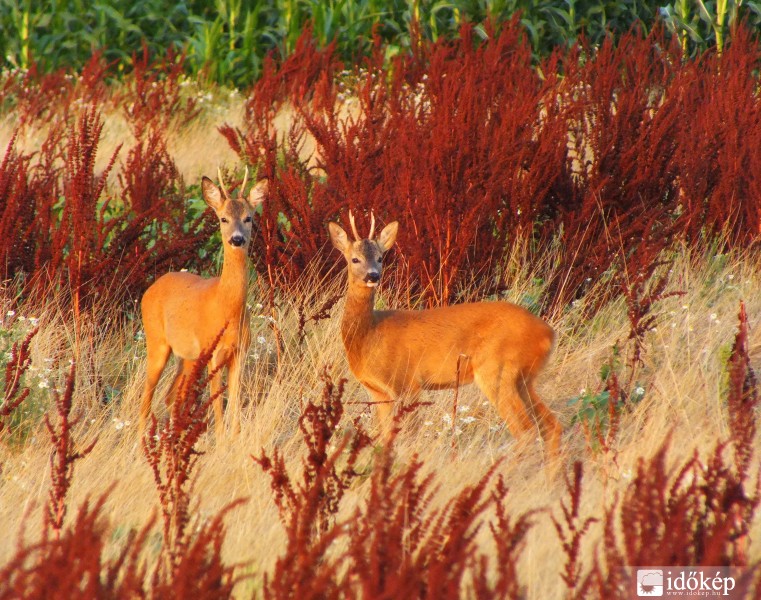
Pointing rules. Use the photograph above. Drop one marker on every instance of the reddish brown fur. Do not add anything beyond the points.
(184, 313)
(499, 346)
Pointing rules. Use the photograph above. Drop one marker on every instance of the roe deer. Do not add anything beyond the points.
(499, 346)
(183, 313)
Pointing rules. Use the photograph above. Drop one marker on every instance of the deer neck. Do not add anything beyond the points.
(233, 282)
(358, 317)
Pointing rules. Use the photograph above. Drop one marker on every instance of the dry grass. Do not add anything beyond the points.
(682, 377)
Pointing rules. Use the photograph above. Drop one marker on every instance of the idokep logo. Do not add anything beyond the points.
(649, 582)
(688, 582)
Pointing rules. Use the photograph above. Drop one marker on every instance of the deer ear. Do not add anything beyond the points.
(258, 192)
(338, 237)
(211, 194)
(387, 237)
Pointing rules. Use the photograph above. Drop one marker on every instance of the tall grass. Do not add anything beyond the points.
(430, 482)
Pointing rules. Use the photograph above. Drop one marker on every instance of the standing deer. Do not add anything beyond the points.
(183, 313)
(396, 353)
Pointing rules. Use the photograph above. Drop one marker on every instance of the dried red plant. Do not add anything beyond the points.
(571, 529)
(64, 455)
(307, 507)
(170, 450)
(13, 394)
(742, 397)
(697, 514)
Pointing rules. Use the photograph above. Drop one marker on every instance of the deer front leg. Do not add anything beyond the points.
(158, 354)
(384, 409)
(218, 361)
(233, 386)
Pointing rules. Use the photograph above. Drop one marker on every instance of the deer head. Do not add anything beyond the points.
(235, 215)
(364, 256)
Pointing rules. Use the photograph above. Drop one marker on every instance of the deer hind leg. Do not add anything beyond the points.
(155, 363)
(548, 423)
(182, 375)
(500, 385)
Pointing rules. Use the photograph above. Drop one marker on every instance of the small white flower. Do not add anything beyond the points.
(713, 316)
(428, 423)
(447, 418)
(261, 339)
(685, 306)
(467, 420)
(639, 390)
(462, 409)
(626, 473)
(10, 313)
(43, 384)
(119, 426)
(730, 277)
(256, 356)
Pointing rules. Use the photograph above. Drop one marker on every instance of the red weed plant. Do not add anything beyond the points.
(402, 546)
(440, 149)
(743, 397)
(170, 450)
(622, 133)
(719, 104)
(695, 515)
(41, 99)
(307, 508)
(64, 455)
(69, 564)
(571, 529)
(13, 393)
(398, 543)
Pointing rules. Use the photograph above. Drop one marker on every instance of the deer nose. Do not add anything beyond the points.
(237, 240)
(372, 277)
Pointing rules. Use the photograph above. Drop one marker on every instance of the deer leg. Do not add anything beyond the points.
(233, 386)
(499, 384)
(384, 409)
(182, 375)
(218, 361)
(155, 363)
(548, 423)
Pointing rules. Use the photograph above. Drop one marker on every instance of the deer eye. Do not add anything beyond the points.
(224, 219)
(380, 258)
(355, 260)
(247, 220)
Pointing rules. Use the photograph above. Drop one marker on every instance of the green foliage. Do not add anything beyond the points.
(226, 41)
(703, 24)
(594, 409)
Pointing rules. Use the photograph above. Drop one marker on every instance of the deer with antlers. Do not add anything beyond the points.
(397, 353)
(184, 313)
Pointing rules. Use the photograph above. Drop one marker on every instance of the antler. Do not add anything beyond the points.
(243, 185)
(222, 183)
(354, 226)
